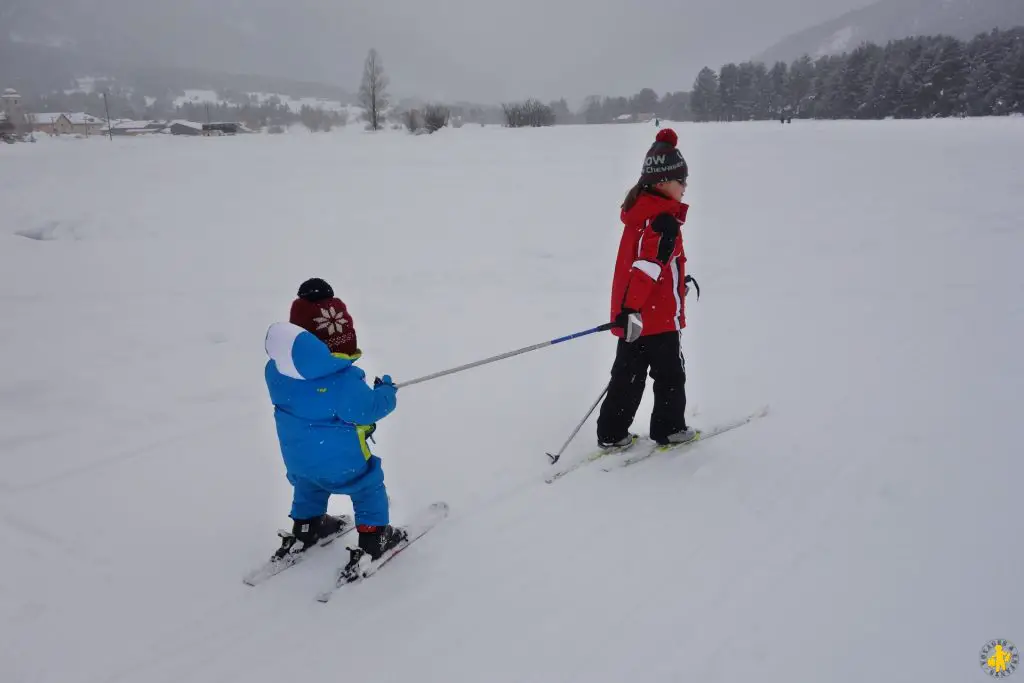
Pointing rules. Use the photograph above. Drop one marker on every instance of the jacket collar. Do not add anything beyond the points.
(650, 203)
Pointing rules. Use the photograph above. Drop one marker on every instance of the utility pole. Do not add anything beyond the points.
(107, 108)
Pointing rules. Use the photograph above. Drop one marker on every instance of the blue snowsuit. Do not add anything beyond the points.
(323, 409)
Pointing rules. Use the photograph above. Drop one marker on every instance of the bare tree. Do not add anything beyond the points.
(435, 117)
(528, 113)
(413, 120)
(373, 90)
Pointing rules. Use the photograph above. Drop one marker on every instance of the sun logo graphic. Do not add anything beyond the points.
(999, 658)
(331, 320)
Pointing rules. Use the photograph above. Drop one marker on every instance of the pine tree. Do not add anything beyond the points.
(705, 102)
(728, 91)
(798, 85)
(778, 90)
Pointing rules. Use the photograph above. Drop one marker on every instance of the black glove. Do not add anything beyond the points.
(629, 320)
(696, 286)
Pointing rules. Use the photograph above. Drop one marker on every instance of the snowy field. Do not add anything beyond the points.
(864, 279)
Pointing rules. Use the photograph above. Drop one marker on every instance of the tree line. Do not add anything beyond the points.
(921, 77)
(127, 104)
(929, 76)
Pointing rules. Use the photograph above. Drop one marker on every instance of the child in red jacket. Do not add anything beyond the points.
(648, 303)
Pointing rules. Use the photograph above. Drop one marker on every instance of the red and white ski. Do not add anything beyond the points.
(423, 522)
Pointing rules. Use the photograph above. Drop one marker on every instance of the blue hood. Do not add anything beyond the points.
(299, 354)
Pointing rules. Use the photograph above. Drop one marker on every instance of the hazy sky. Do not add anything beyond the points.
(575, 48)
(483, 50)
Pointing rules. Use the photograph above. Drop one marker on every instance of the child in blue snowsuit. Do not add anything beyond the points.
(324, 411)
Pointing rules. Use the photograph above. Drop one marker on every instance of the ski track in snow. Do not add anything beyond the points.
(852, 277)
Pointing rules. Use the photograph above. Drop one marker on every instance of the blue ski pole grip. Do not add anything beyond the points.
(577, 335)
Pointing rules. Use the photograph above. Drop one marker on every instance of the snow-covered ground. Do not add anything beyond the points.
(862, 278)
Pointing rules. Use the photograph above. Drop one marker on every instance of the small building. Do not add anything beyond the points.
(12, 115)
(66, 124)
(85, 124)
(182, 127)
(10, 101)
(51, 124)
(136, 128)
(224, 128)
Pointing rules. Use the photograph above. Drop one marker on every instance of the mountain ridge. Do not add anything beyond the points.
(893, 20)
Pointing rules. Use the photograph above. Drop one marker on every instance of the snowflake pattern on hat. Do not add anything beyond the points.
(331, 320)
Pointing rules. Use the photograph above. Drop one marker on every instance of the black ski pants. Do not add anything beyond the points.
(663, 356)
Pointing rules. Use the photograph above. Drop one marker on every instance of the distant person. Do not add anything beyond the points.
(324, 413)
(648, 300)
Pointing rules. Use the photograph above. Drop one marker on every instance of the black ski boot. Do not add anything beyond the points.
(376, 540)
(306, 533)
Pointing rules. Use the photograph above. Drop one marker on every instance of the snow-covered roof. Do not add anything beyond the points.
(80, 119)
(45, 119)
(135, 125)
(189, 124)
(11, 92)
(76, 118)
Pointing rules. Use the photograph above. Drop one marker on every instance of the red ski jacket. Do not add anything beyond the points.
(650, 270)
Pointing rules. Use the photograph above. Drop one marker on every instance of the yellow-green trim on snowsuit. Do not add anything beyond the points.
(361, 430)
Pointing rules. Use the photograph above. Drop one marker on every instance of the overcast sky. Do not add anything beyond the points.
(479, 50)
(550, 48)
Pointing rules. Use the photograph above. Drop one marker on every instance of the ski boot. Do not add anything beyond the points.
(306, 533)
(615, 444)
(374, 541)
(684, 435)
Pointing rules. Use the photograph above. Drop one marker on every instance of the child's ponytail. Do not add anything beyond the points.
(632, 196)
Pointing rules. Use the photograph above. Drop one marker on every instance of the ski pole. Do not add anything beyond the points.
(576, 335)
(554, 458)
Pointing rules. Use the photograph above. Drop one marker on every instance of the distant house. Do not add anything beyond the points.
(185, 128)
(51, 124)
(135, 128)
(66, 124)
(225, 128)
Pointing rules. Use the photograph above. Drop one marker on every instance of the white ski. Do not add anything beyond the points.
(596, 455)
(423, 522)
(639, 455)
(275, 565)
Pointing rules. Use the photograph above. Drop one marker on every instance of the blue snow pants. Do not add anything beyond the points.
(367, 491)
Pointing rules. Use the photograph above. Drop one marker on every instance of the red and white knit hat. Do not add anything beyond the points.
(326, 316)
